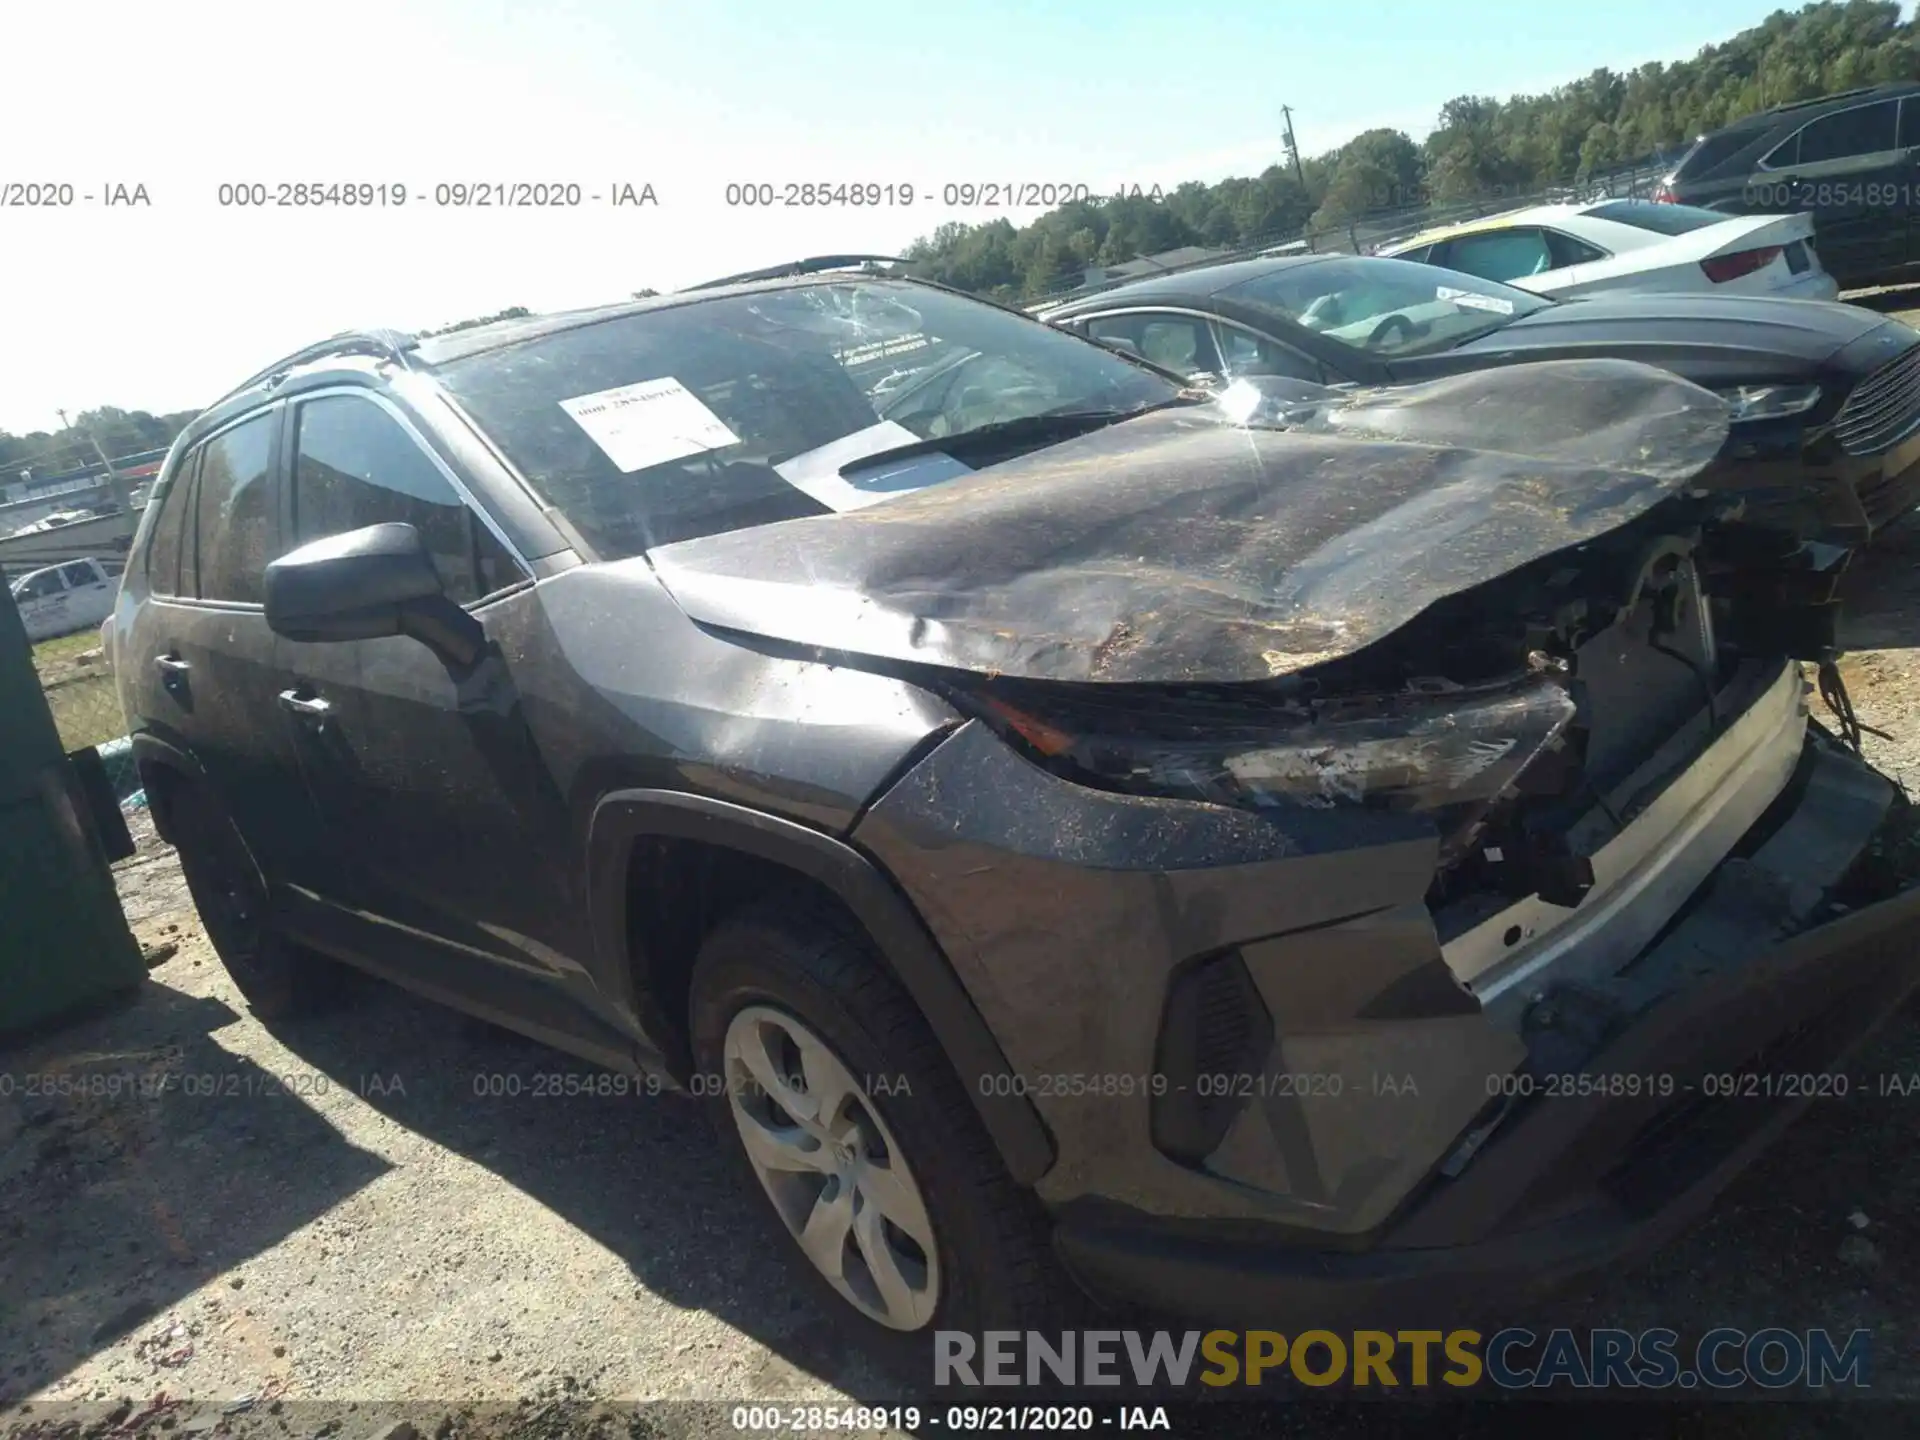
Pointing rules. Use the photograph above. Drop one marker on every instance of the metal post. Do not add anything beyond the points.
(1293, 146)
(121, 491)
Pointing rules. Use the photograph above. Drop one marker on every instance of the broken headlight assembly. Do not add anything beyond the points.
(1416, 751)
(1769, 402)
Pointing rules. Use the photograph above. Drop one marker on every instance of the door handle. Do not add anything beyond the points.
(172, 664)
(311, 706)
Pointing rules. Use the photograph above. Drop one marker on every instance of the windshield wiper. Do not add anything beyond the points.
(1054, 425)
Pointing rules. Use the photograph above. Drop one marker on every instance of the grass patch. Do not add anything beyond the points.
(85, 704)
(50, 653)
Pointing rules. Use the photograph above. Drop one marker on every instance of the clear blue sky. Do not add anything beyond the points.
(159, 308)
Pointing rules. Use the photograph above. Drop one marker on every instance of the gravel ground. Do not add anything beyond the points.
(308, 1223)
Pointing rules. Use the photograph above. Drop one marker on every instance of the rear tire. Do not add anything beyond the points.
(279, 979)
(793, 991)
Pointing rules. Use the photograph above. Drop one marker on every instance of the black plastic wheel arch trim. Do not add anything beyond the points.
(625, 816)
(151, 753)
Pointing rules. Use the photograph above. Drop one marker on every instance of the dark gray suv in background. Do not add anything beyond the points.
(1851, 160)
(1273, 852)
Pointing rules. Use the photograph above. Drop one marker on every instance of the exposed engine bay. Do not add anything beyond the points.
(1534, 720)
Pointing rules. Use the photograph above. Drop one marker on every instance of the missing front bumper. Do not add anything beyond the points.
(1647, 871)
(1584, 1175)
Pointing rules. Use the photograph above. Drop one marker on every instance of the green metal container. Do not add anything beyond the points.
(64, 940)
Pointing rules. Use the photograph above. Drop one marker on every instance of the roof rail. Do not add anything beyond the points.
(387, 344)
(1857, 91)
(810, 266)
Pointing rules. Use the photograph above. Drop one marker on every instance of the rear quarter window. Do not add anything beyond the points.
(234, 511)
(1713, 151)
(167, 544)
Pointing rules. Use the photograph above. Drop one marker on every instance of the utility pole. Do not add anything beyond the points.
(1293, 146)
(121, 492)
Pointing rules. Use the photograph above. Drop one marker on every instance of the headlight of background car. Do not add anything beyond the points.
(1769, 402)
(1413, 753)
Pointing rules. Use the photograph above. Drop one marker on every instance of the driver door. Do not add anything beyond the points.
(439, 819)
(44, 603)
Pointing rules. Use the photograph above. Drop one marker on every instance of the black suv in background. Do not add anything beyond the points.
(1852, 160)
(1063, 820)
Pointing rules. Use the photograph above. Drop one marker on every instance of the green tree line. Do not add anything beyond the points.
(119, 432)
(1480, 148)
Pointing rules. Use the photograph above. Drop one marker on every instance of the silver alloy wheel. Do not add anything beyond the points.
(831, 1168)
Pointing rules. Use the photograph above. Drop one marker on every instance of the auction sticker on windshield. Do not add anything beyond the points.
(1469, 300)
(648, 423)
(834, 473)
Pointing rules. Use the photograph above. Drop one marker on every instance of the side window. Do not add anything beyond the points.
(1783, 156)
(39, 587)
(1501, 255)
(1420, 253)
(1863, 130)
(1909, 122)
(356, 465)
(1244, 353)
(170, 532)
(1175, 341)
(79, 573)
(1116, 332)
(1566, 250)
(234, 516)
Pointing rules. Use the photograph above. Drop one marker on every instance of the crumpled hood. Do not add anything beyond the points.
(1282, 527)
(1668, 327)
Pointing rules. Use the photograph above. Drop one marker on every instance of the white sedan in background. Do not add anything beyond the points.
(1568, 251)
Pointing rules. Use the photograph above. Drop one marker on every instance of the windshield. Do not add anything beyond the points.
(1386, 307)
(749, 409)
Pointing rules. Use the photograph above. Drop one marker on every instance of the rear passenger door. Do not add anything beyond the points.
(1853, 170)
(439, 816)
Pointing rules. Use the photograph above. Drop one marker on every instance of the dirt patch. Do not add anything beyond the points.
(374, 1205)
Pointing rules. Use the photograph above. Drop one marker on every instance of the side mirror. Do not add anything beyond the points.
(365, 585)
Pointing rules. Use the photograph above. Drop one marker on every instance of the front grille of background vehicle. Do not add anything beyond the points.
(1883, 408)
(1887, 496)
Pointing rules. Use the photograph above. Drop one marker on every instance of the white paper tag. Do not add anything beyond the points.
(1469, 300)
(648, 423)
(817, 472)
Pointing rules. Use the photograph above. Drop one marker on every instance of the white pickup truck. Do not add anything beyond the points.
(63, 598)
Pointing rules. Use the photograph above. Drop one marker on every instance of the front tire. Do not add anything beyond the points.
(845, 1113)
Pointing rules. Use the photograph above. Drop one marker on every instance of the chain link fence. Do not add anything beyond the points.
(79, 689)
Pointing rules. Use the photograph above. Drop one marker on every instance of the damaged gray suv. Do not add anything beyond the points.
(1268, 853)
